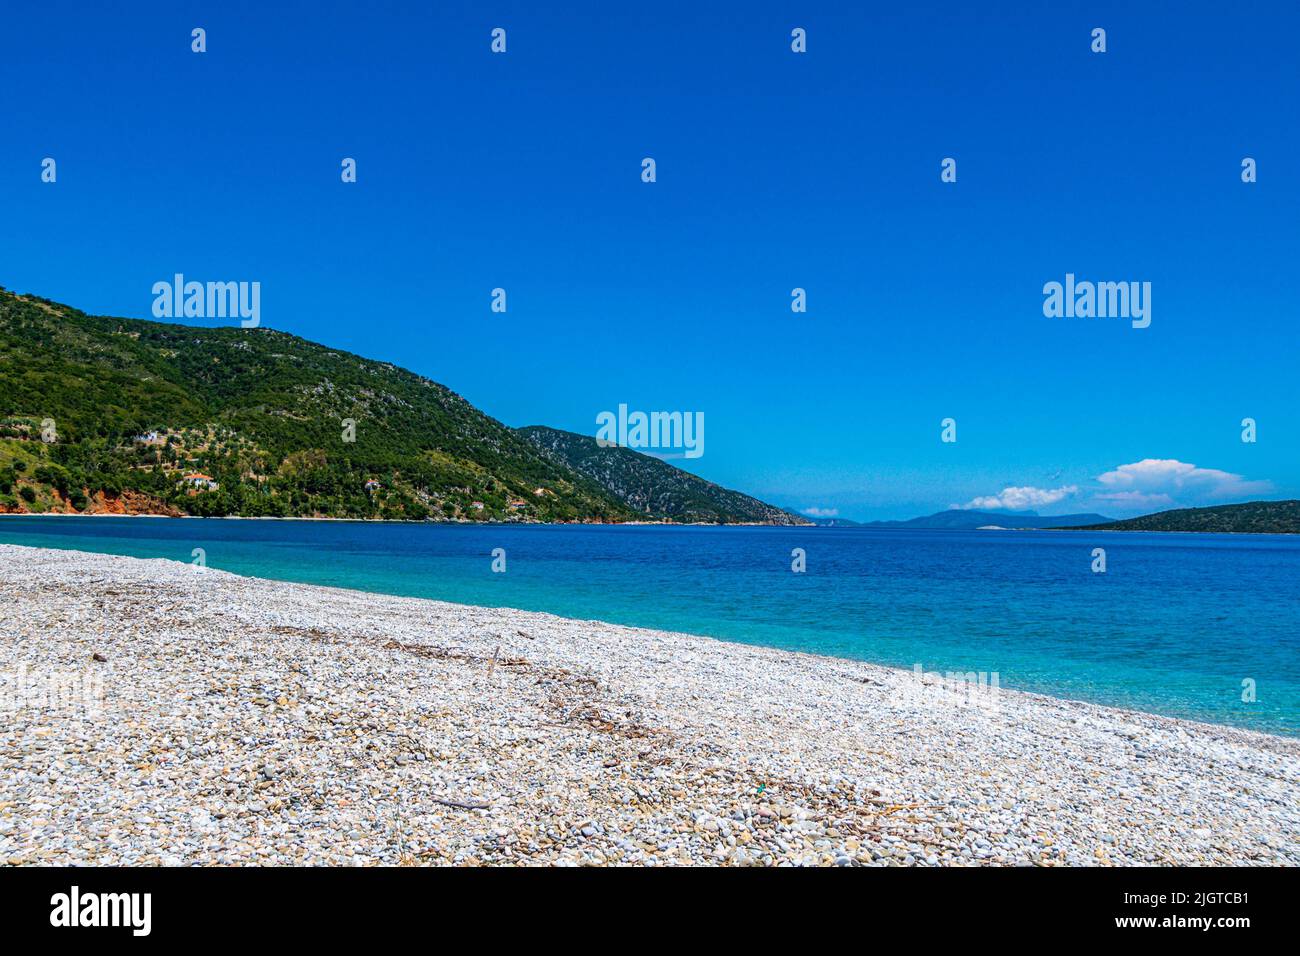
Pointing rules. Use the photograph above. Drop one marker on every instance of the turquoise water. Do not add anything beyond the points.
(1174, 626)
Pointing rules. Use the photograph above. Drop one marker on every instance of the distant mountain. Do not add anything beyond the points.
(111, 415)
(832, 522)
(651, 486)
(1253, 517)
(955, 519)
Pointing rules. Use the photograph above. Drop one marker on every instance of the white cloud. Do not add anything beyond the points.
(1152, 484)
(1158, 482)
(822, 512)
(1020, 499)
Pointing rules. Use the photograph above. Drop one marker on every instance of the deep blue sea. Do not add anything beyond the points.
(1174, 626)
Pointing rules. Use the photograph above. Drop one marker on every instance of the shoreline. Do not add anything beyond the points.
(624, 524)
(634, 627)
(689, 634)
(346, 721)
(555, 524)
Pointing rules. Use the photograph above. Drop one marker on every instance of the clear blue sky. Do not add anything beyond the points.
(775, 170)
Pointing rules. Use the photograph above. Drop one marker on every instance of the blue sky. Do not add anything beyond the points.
(775, 170)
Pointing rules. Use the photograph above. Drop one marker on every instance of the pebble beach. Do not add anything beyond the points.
(159, 713)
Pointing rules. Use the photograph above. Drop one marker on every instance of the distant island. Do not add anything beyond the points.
(957, 519)
(103, 415)
(1252, 517)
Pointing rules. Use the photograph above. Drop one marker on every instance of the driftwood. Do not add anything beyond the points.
(474, 803)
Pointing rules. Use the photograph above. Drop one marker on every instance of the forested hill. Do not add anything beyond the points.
(117, 415)
(1253, 517)
(653, 486)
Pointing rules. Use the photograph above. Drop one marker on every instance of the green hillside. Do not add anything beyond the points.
(651, 486)
(1253, 517)
(137, 406)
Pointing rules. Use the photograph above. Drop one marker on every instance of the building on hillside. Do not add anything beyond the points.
(201, 481)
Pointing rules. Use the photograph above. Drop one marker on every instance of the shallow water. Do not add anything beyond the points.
(1174, 626)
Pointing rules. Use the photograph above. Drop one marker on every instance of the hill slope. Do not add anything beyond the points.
(135, 406)
(1253, 517)
(650, 485)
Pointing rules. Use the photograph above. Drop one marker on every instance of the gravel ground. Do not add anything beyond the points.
(157, 713)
